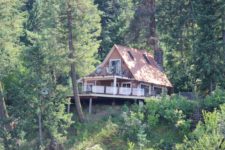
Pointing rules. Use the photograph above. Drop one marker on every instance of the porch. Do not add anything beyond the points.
(114, 87)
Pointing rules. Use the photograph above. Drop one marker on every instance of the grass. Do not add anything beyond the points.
(164, 136)
(100, 132)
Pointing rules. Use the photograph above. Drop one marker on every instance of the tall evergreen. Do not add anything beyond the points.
(208, 53)
(191, 31)
(11, 19)
(175, 27)
(43, 60)
(116, 17)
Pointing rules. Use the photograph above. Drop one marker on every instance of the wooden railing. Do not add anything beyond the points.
(112, 90)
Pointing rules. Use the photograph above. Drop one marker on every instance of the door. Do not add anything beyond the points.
(146, 89)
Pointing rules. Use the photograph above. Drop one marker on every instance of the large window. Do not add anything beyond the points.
(115, 65)
(146, 89)
(158, 90)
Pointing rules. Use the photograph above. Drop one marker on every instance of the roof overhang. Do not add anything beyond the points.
(103, 78)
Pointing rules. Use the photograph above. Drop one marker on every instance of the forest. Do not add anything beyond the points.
(46, 45)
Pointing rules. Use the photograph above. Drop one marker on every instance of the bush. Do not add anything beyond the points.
(207, 135)
(214, 100)
(173, 110)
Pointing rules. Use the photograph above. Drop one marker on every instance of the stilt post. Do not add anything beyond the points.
(90, 106)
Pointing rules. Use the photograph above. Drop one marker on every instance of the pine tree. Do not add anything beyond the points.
(82, 25)
(191, 34)
(116, 18)
(44, 59)
(73, 65)
(208, 53)
(175, 25)
(11, 20)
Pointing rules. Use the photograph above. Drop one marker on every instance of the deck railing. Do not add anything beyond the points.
(110, 90)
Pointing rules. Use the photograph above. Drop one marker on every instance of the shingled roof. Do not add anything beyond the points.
(142, 69)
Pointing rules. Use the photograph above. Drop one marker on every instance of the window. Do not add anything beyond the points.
(127, 85)
(117, 84)
(158, 90)
(130, 54)
(146, 89)
(146, 59)
(115, 65)
(89, 87)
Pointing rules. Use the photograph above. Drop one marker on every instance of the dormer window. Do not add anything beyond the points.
(115, 66)
(146, 59)
(130, 54)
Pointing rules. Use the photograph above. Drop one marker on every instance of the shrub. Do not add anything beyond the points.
(207, 135)
(214, 100)
(170, 109)
(132, 122)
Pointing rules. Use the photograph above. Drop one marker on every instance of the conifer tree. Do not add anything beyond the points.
(43, 59)
(116, 18)
(11, 20)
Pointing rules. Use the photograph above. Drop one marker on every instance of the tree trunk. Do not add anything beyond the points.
(153, 38)
(3, 110)
(73, 65)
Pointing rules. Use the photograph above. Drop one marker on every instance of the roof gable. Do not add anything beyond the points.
(142, 70)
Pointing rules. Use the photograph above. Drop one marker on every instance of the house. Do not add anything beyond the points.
(125, 73)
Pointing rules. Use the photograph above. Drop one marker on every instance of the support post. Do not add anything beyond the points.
(114, 86)
(90, 106)
(113, 102)
(85, 86)
(68, 107)
(140, 103)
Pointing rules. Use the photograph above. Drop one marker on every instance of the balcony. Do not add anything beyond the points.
(110, 90)
(107, 71)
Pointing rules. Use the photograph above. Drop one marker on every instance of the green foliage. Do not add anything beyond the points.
(207, 135)
(34, 56)
(11, 20)
(214, 100)
(170, 108)
(105, 131)
(116, 18)
(134, 128)
(193, 44)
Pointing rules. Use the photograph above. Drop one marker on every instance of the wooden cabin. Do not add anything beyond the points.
(125, 73)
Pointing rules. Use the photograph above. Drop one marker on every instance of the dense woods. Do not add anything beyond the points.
(46, 45)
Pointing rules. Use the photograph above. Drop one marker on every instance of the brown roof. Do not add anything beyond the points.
(141, 69)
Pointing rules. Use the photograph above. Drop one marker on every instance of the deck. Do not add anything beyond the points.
(112, 92)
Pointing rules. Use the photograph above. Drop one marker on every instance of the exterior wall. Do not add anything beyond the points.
(116, 55)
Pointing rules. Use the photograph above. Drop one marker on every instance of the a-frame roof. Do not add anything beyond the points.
(141, 64)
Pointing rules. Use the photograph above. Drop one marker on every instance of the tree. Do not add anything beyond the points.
(208, 54)
(84, 17)
(11, 20)
(207, 135)
(44, 59)
(73, 65)
(115, 22)
(175, 25)
(189, 34)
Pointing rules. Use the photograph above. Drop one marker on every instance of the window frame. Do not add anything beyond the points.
(120, 66)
